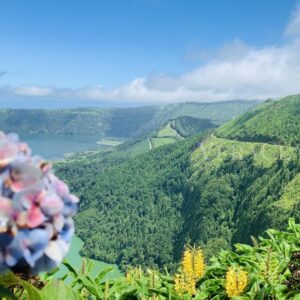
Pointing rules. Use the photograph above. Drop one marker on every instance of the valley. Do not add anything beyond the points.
(213, 189)
(65, 147)
(189, 179)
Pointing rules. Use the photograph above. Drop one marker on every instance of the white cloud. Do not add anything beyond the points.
(235, 71)
(32, 91)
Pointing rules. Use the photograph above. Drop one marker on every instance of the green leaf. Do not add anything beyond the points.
(32, 292)
(90, 285)
(6, 293)
(70, 268)
(8, 279)
(51, 273)
(102, 274)
(11, 279)
(58, 290)
(130, 291)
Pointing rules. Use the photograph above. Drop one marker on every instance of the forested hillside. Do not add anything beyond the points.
(115, 122)
(273, 122)
(207, 190)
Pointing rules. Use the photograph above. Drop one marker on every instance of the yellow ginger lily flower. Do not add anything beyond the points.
(187, 263)
(236, 281)
(198, 263)
(193, 267)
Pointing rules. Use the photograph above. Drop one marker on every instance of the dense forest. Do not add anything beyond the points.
(212, 189)
(273, 122)
(114, 122)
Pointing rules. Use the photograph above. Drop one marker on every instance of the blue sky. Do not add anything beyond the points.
(146, 51)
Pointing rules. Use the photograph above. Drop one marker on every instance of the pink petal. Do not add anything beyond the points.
(5, 206)
(8, 151)
(35, 217)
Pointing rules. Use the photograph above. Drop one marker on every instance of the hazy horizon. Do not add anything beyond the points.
(69, 104)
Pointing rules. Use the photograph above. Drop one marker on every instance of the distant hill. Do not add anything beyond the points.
(115, 122)
(179, 129)
(212, 189)
(273, 122)
(187, 126)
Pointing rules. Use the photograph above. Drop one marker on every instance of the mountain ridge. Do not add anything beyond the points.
(114, 122)
(273, 122)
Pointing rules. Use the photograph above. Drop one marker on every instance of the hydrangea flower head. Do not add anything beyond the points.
(36, 210)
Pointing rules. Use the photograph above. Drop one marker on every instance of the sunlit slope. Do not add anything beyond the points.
(214, 151)
(237, 189)
(272, 122)
(213, 192)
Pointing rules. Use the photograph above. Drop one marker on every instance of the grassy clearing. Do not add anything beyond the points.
(168, 131)
(158, 142)
(214, 151)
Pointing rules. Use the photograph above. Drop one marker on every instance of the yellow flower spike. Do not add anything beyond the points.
(190, 285)
(236, 281)
(187, 262)
(193, 267)
(177, 286)
(199, 265)
(180, 285)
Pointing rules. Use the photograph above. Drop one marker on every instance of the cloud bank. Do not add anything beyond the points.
(235, 71)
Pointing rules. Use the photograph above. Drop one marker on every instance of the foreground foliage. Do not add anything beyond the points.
(267, 270)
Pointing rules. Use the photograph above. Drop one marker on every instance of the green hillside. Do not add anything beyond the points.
(272, 122)
(178, 129)
(114, 122)
(206, 189)
(128, 201)
(143, 210)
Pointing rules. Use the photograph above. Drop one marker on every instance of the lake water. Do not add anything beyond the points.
(55, 146)
(75, 260)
